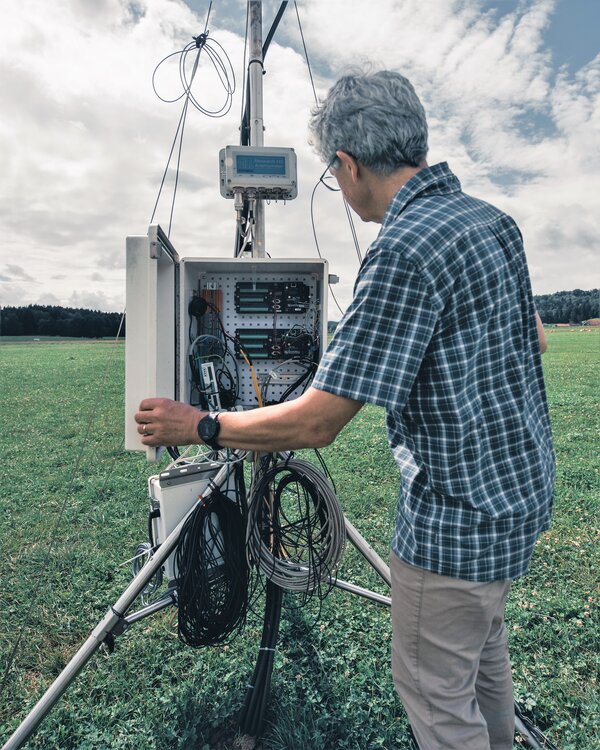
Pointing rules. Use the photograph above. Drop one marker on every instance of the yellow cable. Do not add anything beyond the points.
(254, 378)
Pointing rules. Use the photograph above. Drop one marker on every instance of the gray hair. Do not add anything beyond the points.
(375, 117)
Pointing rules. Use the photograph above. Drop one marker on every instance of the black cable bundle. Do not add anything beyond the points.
(252, 715)
(213, 574)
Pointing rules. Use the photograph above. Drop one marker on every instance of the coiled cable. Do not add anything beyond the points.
(296, 531)
(212, 571)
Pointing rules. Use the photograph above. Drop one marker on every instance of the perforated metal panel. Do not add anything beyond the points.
(217, 279)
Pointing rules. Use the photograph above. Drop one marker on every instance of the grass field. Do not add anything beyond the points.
(331, 685)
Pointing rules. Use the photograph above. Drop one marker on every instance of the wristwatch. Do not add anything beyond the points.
(208, 430)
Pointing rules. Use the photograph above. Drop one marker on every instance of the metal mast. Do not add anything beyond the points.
(255, 74)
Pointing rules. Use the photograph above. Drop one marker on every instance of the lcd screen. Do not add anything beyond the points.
(257, 165)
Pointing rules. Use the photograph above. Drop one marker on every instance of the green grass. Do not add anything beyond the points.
(331, 685)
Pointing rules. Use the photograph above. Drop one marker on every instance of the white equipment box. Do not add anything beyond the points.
(173, 494)
(273, 313)
(269, 172)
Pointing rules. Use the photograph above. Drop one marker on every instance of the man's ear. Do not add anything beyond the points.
(348, 163)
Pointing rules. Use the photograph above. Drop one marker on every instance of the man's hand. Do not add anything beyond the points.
(165, 422)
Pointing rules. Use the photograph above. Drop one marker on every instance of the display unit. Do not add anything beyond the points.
(267, 172)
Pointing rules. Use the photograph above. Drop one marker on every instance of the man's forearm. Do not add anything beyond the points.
(311, 421)
(273, 428)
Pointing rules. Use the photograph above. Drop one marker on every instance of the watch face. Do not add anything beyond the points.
(207, 428)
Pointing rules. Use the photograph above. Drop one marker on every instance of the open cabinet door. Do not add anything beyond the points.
(152, 278)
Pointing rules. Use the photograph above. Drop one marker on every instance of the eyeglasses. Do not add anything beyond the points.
(330, 177)
(325, 176)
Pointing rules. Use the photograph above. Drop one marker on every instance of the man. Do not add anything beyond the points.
(442, 334)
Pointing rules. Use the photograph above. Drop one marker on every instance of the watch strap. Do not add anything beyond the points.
(212, 441)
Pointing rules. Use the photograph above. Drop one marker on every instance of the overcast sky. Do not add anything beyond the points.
(511, 90)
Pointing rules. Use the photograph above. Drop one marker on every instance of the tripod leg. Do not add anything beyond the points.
(365, 549)
(352, 588)
(104, 629)
(31, 722)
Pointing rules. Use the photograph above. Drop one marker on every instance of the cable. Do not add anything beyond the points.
(351, 222)
(353, 231)
(274, 26)
(252, 373)
(228, 392)
(243, 352)
(314, 229)
(305, 377)
(306, 55)
(201, 453)
(162, 182)
(201, 350)
(251, 716)
(212, 570)
(185, 109)
(296, 528)
(325, 468)
(222, 65)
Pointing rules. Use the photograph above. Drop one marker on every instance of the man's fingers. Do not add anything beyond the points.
(162, 421)
(150, 403)
(145, 415)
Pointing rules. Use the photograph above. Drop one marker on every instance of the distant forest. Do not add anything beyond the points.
(569, 307)
(47, 320)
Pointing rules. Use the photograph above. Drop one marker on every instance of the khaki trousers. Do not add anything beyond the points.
(450, 659)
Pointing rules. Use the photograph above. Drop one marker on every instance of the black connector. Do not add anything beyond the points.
(197, 307)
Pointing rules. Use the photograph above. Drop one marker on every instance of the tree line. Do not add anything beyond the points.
(559, 307)
(569, 307)
(51, 320)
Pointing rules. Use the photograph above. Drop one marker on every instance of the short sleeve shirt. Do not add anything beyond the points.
(441, 333)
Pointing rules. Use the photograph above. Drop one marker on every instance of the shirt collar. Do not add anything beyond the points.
(434, 180)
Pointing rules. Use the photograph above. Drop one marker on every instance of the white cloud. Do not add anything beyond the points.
(18, 273)
(48, 299)
(480, 79)
(94, 301)
(84, 140)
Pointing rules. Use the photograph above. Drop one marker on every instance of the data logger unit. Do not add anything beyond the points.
(219, 333)
(266, 171)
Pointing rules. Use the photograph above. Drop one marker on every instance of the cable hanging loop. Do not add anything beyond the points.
(221, 65)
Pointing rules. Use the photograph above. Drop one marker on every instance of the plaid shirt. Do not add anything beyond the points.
(441, 333)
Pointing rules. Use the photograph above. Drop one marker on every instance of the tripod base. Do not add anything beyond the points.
(115, 622)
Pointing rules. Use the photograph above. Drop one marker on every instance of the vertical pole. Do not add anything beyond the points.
(256, 113)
